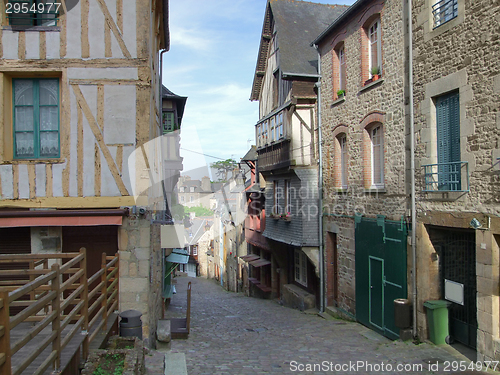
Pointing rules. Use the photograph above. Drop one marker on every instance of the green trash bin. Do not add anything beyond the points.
(437, 319)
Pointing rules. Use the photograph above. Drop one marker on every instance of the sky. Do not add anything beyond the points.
(212, 57)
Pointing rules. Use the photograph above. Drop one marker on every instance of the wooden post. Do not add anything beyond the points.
(5, 368)
(104, 292)
(56, 323)
(117, 277)
(85, 308)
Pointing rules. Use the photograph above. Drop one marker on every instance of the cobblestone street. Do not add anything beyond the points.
(234, 334)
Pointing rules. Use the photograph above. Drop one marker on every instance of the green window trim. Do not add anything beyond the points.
(26, 13)
(36, 134)
(168, 122)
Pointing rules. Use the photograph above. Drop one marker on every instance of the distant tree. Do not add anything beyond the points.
(198, 210)
(224, 167)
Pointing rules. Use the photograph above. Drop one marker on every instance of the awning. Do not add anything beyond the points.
(259, 262)
(178, 256)
(249, 257)
(59, 221)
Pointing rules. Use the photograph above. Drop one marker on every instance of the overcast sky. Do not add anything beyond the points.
(212, 57)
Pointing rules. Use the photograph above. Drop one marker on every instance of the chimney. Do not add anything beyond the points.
(205, 184)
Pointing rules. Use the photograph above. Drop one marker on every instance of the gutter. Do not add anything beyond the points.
(412, 171)
(65, 213)
(320, 193)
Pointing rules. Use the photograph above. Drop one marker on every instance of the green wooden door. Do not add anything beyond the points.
(376, 292)
(380, 272)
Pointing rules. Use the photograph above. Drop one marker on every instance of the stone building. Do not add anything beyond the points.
(287, 147)
(79, 94)
(365, 162)
(457, 102)
(193, 193)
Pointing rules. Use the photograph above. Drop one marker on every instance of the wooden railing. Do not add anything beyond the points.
(274, 156)
(58, 296)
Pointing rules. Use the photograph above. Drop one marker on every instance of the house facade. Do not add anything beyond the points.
(365, 163)
(457, 126)
(287, 148)
(80, 101)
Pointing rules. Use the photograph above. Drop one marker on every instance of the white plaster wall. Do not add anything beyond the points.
(88, 160)
(57, 170)
(127, 151)
(33, 45)
(74, 32)
(73, 162)
(108, 184)
(24, 184)
(96, 30)
(7, 181)
(40, 179)
(129, 23)
(119, 114)
(102, 73)
(10, 38)
(53, 44)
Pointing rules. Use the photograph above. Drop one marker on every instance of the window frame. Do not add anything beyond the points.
(342, 140)
(342, 68)
(380, 136)
(174, 122)
(370, 46)
(36, 119)
(288, 197)
(300, 267)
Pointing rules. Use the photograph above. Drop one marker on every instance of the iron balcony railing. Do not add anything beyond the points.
(452, 176)
(444, 11)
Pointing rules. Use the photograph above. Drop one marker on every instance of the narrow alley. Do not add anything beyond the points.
(235, 334)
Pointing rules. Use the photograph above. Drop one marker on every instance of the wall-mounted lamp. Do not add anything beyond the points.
(475, 223)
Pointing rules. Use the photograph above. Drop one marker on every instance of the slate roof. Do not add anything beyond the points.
(297, 24)
(180, 101)
(251, 155)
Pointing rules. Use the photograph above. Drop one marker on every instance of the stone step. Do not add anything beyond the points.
(175, 364)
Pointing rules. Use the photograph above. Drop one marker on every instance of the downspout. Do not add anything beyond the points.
(320, 193)
(412, 171)
(160, 96)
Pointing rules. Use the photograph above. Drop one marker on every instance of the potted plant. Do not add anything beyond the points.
(340, 93)
(286, 217)
(375, 71)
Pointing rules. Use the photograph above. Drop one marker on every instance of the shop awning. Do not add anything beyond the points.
(259, 262)
(249, 257)
(73, 221)
(178, 256)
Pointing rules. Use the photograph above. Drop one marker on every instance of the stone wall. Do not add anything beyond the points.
(462, 56)
(364, 104)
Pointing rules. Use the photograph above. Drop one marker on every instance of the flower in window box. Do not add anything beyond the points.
(340, 93)
(375, 72)
(286, 217)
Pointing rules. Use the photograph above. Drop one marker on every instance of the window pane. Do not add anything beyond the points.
(25, 144)
(49, 91)
(24, 118)
(49, 144)
(49, 118)
(23, 92)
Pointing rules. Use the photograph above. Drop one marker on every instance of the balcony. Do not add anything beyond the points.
(444, 11)
(274, 156)
(446, 177)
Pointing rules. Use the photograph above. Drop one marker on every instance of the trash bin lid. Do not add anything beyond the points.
(402, 301)
(130, 314)
(436, 304)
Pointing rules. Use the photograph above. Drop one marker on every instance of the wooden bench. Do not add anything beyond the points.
(179, 327)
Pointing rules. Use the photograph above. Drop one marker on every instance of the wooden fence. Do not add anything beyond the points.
(57, 296)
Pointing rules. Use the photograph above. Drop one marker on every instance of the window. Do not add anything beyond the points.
(191, 199)
(279, 126)
(300, 267)
(271, 133)
(377, 156)
(33, 12)
(448, 141)
(195, 250)
(444, 11)
(168, 122)
(343, 160)
(264, 133)
(182, 198)
(342, 68)
(288, 198)
(259, 136)
(191, 189)
(276, 208)
(374, 47)
(36, 118)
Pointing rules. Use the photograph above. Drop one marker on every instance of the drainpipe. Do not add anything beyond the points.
(412, 171)
(320, 193)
